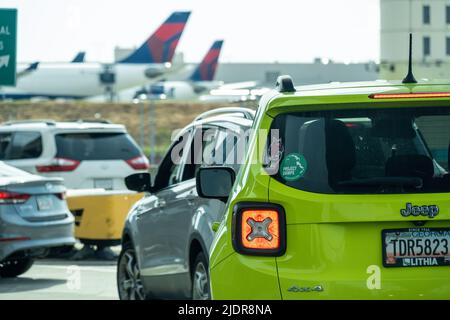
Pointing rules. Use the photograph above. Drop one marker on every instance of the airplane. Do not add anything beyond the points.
(201, 80)
(201, 85)
(84, 79)
(250, 92)
(24, 70)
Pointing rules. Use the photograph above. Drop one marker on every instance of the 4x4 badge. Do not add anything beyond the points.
(427, 211)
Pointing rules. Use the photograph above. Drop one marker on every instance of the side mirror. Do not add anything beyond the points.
(215, 182)
(140, 182)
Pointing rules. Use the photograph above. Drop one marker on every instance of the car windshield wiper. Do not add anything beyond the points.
(414, 182)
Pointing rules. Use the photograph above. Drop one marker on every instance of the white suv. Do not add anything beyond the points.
(86, 154)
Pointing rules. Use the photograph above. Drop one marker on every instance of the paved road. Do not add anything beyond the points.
(63, 279)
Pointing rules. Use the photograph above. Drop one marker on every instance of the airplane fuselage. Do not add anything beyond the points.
(81, 80)
(183, 90)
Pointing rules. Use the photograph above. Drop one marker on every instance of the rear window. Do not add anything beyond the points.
(364, 151)
(20, 145)
(96, 146)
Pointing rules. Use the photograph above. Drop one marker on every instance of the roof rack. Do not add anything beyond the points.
(46, 121)
(104, 121)
(232, 111)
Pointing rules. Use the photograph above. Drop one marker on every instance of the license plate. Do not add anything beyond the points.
(106, 184)
(44, 203)
(416, 247)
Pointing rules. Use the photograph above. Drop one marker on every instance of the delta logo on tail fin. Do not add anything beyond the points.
(206, 70)
(160, 46)
(79, 58)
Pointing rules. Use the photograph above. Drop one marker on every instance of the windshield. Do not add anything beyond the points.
(96, 146)
(365, 151)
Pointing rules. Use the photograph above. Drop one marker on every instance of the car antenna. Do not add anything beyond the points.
(410, 77)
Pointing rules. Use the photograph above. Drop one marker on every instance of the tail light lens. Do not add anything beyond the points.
(13, 197)
(259, 229)
(139, 163)
(59, 165)
(14, 239)
(415, 95)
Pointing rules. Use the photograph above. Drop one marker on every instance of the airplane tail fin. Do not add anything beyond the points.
(79, 58)
(28, 70)
(32, 67)
(160, 46)
(206, 70)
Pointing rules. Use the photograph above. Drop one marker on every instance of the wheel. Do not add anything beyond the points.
(16, 267)
(129, 281)
(200, 278)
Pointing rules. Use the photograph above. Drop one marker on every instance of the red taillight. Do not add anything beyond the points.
(13, 197)
(139, 163)
(259, 229)
(14, 239)
(416, 95)
(59, 165)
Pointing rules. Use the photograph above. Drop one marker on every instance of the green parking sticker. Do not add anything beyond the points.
(293, 167)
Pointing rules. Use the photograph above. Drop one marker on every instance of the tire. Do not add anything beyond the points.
(129, 283)
(16, 267)
(200, 278)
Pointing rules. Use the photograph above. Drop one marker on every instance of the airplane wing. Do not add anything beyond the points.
(127, 95)
(234, 95)
(239, 85)
(166, 72)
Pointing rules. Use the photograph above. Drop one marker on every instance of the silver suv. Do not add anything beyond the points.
(167, 235)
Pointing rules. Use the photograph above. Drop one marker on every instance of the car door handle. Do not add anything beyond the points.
(191, 198)
(190, 201)
(160, 203)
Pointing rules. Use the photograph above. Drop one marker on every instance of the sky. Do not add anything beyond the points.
(254, 31)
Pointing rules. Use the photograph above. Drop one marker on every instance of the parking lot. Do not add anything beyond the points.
(193, 150)
(63, 279)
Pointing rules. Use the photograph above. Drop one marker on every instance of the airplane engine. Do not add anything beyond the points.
(157, 89)
(154, 72)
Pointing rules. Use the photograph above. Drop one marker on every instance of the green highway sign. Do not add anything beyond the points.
(8, 44)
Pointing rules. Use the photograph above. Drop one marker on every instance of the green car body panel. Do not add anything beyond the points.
(333, 240)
